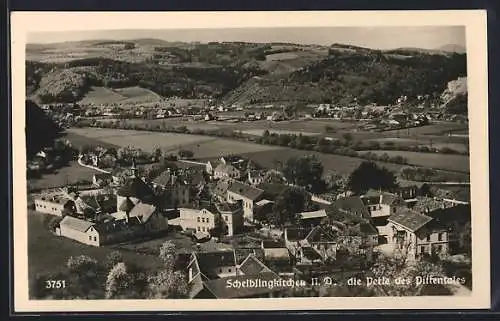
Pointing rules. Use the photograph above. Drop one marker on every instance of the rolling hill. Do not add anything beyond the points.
(243, 73)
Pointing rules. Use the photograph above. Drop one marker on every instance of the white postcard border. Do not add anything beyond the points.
(476, 40)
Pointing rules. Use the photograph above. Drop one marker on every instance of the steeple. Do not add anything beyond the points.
(134, 168)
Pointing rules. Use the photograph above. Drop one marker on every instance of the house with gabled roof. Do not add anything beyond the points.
(79, 230)
(226, 170)
(417, 234)
(352, 205)
(215, 275)
(248, 194)
(175, 190)
(381, 204)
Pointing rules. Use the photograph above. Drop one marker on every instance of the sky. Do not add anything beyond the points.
(428, 37)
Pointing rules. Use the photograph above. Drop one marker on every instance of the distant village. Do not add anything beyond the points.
(218, 202)
(401, 114)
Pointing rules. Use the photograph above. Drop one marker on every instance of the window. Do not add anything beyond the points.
(208, 220)
(439, 248)
(229, 270)
(394, 210)
(428, 238)
(198, 220)
(422, 249)
(90, 238)
(225, 218)
(440, 236)
(95, 239)
(199, 229)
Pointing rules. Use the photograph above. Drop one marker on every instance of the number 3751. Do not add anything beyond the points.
(55, 284)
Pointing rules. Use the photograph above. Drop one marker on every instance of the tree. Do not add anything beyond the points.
(118, 282)
(290, 202)
(168, 254)
(305, 171)
(185, 153)
(368, 175)
(54, 222)
(113, 259)
(218, 230)
(397, 268)
(347, 137)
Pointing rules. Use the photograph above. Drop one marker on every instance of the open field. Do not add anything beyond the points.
(282, 56)
(127, 95)
(78, 140)
(152, 246)
(220, 147)
(260, 132)
(439, 161)
(175, 122)
(455, 143)
(48, 252)
(438, 128)
(66, 175)
(202, 146)
(140, 139)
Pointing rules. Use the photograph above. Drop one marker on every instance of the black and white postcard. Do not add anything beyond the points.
(269, 160)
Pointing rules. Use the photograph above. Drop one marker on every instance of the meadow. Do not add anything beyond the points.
(47, 252)
(202, 146)
(459, 163)
(71, 174)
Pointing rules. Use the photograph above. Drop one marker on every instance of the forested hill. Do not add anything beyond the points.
(369, 76)
(252, 73)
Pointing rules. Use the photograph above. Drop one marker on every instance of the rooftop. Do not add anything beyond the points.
(135, 187)
(353, 205)
(245, 190)
(76, 223)
(409, 219)
(312, 215)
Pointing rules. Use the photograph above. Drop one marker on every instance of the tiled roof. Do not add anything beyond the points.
(143, 210)
(245, 190)
(252, 266)
(314, 214)
(297, 234)
(409, 219)
(353, 205)
(271, 244)
(228, 207)
(428, 204)
(222, 187)
(276, 253)
(366, 229)
(126, 205)
(226, 168)
(321, 234)
(212, 260)
(76, 223)
(135, 187)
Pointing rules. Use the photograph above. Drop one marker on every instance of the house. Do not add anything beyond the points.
(248, 194)
(198, 221)
(352, 205)
(54, 204)
(79, 230)
(221, 188)
(277, 257)
(216, 275)
(174, 188)
(102, 179)
(134, 189)
(231, 217)
(224, 170)
(312, 218)
(454, 219)
(417, 234)
(205, 219)
(381, 204)
(255, 178)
